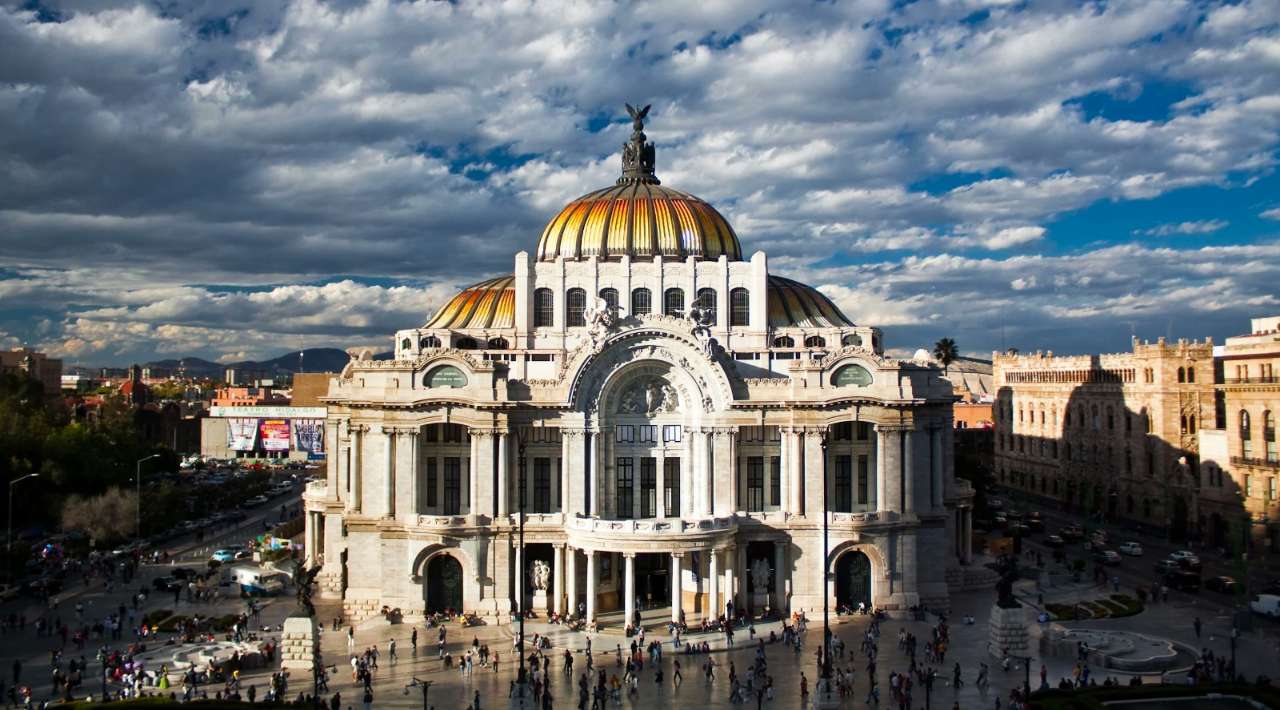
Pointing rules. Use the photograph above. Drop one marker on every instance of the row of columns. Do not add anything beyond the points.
(899, 450)
(565, 580)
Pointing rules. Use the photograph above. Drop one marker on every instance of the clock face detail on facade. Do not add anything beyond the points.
(660, 412)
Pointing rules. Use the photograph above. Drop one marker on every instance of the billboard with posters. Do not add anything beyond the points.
(308, 436)
(275, 434)
(242, 433)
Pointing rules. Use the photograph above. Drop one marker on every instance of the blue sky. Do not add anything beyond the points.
(233, 179)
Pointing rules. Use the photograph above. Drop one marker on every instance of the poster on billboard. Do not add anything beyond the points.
(241, 433)
(275, 434)
(308, 436)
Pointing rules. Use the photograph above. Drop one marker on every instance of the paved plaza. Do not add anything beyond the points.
(455, 690)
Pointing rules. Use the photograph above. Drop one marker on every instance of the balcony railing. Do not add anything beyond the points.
(1265, 380)
(1248, 461)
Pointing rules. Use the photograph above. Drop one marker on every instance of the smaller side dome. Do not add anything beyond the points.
(796, 305)
(488, 304)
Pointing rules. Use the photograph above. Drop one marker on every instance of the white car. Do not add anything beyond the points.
(1267, 604)
(995, 504)
(1183, 555)
(1131, 549)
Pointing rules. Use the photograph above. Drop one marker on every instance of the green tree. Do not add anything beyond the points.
(946, 352)
(104, 518)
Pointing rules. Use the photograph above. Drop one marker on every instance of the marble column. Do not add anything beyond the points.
(890, 468)
(571, 579)
(909, 463)
(473, 474)
(557, 579)
(406, 474)
(781, 573)
(677, 577)
(592, 500)
(504, 475)
(935, 468)
(357, 467)
(723, 472)
(713, 584)
(707, 474)
(591, 586)
(687, 493)
(629, 605)
(389, 472)
(308, 537)
(873, 470)
(815, 496)
(784, 463)
(731, 442)
(574, 471)
(332, 457)
(797, 467)
(730, 568)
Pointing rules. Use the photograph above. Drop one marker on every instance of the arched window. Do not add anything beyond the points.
(1191, 423)
(1128, 461)
(1111, 418)
(1182, 374)
(610, 296)
(1246, 435)
(1269, 436)
(1183, 424)
(641, 302)
(1042, 419)
(815, 341)
(673, 302)
(739, 307)
(544, 310)
(1097, 421)
(1191, 374)
(852, 339)
(706, 300)
(575, 303)
(406, 344)
(430, 341)
(498, 344)
(465, 344)
(1066, 448)
(784, 341)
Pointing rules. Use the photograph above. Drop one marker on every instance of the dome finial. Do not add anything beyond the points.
(637, 153)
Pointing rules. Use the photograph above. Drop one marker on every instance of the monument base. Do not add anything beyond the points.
(824, 696)
(760, 603)
(540, 603)
(299, 644)
(1007, 632)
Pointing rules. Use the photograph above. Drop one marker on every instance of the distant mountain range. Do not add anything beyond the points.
(312, 360)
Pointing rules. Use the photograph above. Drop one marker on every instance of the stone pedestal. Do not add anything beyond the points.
(299, 645)
(541, 603)
(824, 696)
(760, 602)
(1007, 632)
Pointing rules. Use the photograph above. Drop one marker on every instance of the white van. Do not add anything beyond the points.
(1268, 604)
(259, 582)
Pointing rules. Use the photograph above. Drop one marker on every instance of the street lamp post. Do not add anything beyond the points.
(824, 698)
(424, 684)
(8, 536)
(521, 690)
(138, 481)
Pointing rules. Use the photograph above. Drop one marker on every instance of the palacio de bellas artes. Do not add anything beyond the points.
(664, 410)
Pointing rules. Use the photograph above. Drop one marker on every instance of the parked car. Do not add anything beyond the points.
(1054, 541)
(1167, 567)
(1072, 532)
(166, 584)
(1267, 604)
(256, 500)
(228, 554)
(1107, 557)
(1189, 563)
(995, 503)
(1226, 585)
(1183, 555)
(1034, 522)
(1185, 580)
(1131, 549)
(1018, 528)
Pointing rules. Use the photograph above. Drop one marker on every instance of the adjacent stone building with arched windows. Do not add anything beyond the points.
(666, 409)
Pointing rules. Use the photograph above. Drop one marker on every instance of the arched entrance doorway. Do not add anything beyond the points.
(853, 580)
(443, 586)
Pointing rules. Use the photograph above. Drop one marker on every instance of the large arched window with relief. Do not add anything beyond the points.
(673, 302)
(706, 300)
(739, 308)
(575, 303)
(1269, 436)
(544, 309)
(784, 341)
(641, 302)
(429, 341)
(815, 341)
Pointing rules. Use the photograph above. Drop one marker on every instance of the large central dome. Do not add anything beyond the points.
(638, 217)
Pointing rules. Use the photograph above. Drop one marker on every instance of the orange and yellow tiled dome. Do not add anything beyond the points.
(640, 220)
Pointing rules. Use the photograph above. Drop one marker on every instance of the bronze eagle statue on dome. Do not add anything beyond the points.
(638, 115)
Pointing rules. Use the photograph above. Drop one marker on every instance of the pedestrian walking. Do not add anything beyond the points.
(1196, 623)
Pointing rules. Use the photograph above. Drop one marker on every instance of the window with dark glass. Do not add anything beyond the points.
(673, 302)
(1246, 435)
(542, 485)
(466, 344)
(575, 303)
(755, 483)
(648, 487)
(671, 486)
(671, 433)
(433, 480)
(739, 307)
(625, 433)
(498, 344)
(864, 431)
(775, 481)
(430, 341)
(706, 300)
(641, 302)
(863, 477)
(843, 485)
(610, 296)
(815, 341)
(647, 434)
(544, 309)
(784, 341)
(452, 485)
(406, 344)
(625, 479)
